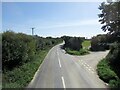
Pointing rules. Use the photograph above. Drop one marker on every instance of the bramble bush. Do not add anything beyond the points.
(22, 55)
(114, 54)
(16, 49)
(19, 48)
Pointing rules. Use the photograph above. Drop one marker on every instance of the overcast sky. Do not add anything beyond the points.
(52, 18)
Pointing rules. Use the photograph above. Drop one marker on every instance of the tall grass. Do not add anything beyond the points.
(21, 76)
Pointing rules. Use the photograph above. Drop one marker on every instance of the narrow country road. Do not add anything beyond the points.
(61, 70)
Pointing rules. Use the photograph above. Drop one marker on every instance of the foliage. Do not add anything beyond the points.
(107, 74)
(22, 55)
(74, 43)
(17, 49)
(114, 57)
(0, 59)
(110, 17)
(20, 77)
(42, 43)
(86, 44)
(114, 83)
(74, 52)
(100, 42)
(114, 54)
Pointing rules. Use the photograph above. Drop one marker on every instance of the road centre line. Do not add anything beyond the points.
(59, 59)
(63, 81)
(59, 62)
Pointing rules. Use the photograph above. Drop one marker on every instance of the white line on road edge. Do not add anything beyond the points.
(59, 62)
(63, 82)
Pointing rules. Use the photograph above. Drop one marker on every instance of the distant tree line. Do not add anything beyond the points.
(19, 48)
(73, 43)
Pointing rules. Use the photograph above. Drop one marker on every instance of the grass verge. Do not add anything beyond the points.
(107, 74)
(86, 44)
(21, 76)
(74, 52)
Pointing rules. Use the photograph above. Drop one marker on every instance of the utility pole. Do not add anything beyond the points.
(32, 31)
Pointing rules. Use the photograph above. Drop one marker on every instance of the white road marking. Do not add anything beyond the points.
(92, 72)
(63, 81)
(59, 62)
(106, 84)
(59, 59)
(89, 69)
(88, 65)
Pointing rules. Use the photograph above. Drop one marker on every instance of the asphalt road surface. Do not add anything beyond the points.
(61, 70)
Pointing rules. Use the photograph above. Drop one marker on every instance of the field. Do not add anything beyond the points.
(86, 44)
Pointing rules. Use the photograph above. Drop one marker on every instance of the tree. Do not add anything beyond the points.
(100, 42)
(74, 43)
(110, 17)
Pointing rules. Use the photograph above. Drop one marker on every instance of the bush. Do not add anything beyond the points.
(84, 51)
(74, 43)
(114, 58)
(100, 43)
(80, 52)
(22, 55)
(17, 49)
(114, 54)
(114, 83)
(105, 72)
(20, 77)
(20, 48)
